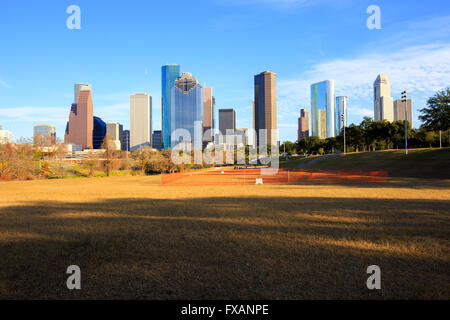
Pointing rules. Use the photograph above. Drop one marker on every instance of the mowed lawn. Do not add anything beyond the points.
(419, 163)
(136, 239)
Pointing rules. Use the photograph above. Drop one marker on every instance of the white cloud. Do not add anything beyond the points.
(118, 112)
(358, 111)
(36, 114)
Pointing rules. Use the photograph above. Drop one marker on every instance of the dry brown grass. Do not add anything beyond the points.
(134, 238)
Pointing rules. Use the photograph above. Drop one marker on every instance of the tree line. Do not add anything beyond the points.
(372, 135)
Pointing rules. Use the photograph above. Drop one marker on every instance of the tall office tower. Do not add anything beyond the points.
(227, 121)
(157, 140)
(122, 147)
(5, 136)
(187, 109)
(399, 110)
(44, 134)
(81, 118)
(113, 129)
(140, 120)
(208, 115)
(125, 140)
(323, 109)
(303, 125)
(383, 103)
(265, 108)
(99, 133)
(254, 125)
(79, 87)
(340, 118)
(169, 74)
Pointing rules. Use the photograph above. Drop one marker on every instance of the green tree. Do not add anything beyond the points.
(355, 137)
(288, 147)
(430, 138)
(436, 116)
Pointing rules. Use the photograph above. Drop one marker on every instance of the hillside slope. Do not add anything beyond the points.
(419, 163)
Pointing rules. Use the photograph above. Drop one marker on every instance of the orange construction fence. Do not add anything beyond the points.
(271, 176)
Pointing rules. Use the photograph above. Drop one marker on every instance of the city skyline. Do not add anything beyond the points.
(416, 62)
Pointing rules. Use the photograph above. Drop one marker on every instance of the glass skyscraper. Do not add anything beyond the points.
(169, 74)
(187, 108)
(323, 109)
(99, 133)
(341, 114)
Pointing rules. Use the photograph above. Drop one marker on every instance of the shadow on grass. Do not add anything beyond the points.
(394, 182)
(226, 248)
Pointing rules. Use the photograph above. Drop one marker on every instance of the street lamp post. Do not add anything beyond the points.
(343, 123)
(405, 100)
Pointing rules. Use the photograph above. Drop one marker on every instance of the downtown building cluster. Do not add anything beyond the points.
(187, 117)
(328, 114)
(188, 107)
(86, 131)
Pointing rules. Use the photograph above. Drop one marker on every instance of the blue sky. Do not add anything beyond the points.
(122, 45)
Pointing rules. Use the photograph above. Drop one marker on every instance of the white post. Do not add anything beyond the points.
(345, 145)
(405, 100)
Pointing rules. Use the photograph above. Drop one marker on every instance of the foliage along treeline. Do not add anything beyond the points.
(368, 136)
(26, 161)
(372, 135)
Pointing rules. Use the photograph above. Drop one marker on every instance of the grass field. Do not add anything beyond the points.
(134, 238)
(419, 163)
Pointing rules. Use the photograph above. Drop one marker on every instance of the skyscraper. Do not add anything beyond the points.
(341, 114)
(227, 121)
(254, 125)
(99, 133)
(208, 115)
(323, 109)
(399, 110)
(157, 140)
(79, 87)
(113, 129)
(45, 134)
(125, 140)
(265, 109)
(122, 138)
(303, 125)
(169, 74)
(80, 126)
(187, 109)
(140, 120)
(383, 102)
